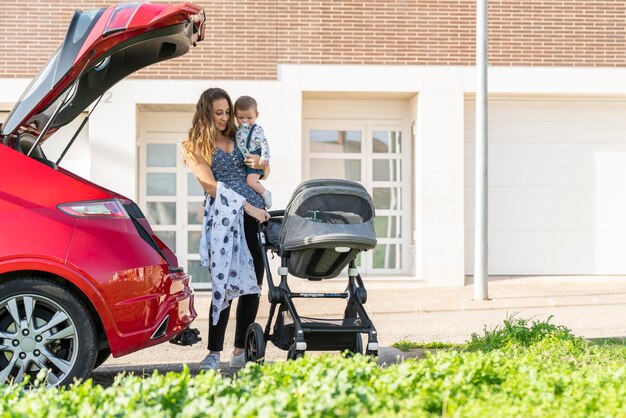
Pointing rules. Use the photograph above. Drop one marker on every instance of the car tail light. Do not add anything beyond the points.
(95, 209)
(121, 17)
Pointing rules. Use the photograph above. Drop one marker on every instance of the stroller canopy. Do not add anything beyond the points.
(323, 218)
(332, 201)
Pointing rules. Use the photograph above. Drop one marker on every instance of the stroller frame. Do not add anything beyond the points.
(309, 334)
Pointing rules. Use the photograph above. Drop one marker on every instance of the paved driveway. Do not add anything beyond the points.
(590, 306)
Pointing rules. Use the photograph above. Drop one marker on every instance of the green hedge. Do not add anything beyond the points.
(555, 374)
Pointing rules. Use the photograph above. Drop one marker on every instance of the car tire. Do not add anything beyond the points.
(103, 355)
(43, 325)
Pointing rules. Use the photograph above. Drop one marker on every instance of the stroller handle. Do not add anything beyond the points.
(276, 213)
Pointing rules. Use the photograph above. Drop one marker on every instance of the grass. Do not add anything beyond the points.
(520, 368)
(518, 331)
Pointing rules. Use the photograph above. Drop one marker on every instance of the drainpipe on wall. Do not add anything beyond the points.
(480, 214)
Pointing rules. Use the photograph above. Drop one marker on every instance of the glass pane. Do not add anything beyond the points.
(323, 168)
(386, 197)
(161, 155)
(162, 213)
(161, 184)
(387, 141)
(193, 187)
(335, 141)
(195, 212)
(387, 226)
(168, 238)
(198, 273)
(193, 241)
(387, 170)
(387, 256)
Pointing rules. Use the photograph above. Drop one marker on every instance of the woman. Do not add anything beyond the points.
(210, 152)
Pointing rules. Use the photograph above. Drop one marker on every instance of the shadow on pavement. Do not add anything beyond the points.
(105, 375)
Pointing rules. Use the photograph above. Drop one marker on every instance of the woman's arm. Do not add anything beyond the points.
(204, 175)
(260, 215)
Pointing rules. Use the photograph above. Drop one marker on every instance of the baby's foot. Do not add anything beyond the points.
(267, 198)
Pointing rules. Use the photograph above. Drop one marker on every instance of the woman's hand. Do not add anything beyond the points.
(260, 215)
(252, 161)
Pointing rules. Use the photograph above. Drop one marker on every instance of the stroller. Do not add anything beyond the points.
(327, 223)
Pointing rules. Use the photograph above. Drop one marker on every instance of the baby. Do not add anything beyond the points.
(251, 140)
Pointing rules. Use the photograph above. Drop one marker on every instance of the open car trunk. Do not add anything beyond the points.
(101, 47)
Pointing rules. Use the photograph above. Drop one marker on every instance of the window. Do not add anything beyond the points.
(170, 195)
(376, 154)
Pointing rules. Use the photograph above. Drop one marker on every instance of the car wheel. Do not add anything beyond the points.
(43, 326)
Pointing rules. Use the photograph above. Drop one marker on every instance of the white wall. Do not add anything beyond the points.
(77, 159)
(114, 128)
(439, 256)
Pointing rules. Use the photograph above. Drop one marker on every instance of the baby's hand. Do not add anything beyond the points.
(263, 163)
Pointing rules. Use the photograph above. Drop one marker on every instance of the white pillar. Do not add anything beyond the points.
(441, 181)
(113, 141)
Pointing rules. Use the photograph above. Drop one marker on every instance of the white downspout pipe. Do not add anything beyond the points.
(481, 199)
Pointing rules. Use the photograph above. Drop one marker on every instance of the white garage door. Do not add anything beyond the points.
(557, 186)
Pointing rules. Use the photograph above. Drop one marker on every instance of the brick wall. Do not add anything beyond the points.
(246, 39)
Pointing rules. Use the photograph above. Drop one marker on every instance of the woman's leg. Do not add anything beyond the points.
(216, 340)
(247, 308)
(217, 331)
(248, 305)
(251, 229)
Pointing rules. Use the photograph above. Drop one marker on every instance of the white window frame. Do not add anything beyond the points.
(367, 127)
(181, 198)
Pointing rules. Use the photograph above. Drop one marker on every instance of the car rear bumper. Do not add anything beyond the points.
(175, 313)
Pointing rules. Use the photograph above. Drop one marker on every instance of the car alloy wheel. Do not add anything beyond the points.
(39, 330)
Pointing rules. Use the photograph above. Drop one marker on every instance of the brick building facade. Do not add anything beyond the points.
(247, 39)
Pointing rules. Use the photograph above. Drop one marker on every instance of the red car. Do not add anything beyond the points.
(82, 274)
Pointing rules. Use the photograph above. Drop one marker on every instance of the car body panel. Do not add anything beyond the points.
(128, 283)
(39, 266)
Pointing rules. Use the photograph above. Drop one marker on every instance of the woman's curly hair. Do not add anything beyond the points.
(202, 136)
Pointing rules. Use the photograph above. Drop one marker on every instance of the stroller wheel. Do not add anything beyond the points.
(358, 346)
(255, 343)
(293, 354)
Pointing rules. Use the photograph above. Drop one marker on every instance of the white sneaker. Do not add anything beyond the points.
(210, 362)
(238, 361)
(267, 198)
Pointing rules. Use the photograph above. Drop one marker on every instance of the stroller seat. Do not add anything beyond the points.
(326, 224)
